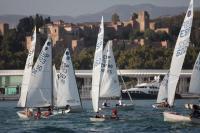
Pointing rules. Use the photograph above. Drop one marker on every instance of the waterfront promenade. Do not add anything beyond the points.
(10, 80)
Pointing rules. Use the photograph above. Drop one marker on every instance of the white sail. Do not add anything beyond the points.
(195, 78)
(27, 72)
(55, 85)
(96, 74)
(162, 94)
(67, 88)
(110, 82)
(41, 86)
(179, 54)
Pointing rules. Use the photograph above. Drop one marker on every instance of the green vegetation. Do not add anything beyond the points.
(12, 45)
(13, 52)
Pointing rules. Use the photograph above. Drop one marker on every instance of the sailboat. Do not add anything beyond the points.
(162, 93)
(109, 80)
(177, 62)
(110, 87)
(96, 74)
(67, 91)
(40, 89)
(195, 81)
(26, 77)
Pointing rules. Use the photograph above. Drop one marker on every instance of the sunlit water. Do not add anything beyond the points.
(143, 118)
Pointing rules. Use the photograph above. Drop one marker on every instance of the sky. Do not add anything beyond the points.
(75, 7)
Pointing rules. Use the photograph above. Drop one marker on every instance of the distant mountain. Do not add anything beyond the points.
(124, 11)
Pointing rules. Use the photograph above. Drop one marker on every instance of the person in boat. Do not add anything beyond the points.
(164, 104)
(98, 115)
(38, 114)
(49, 111)
(105, 104)
(114, 114)
(120, 103)
(195, 112)
(28, 112)
(67, 107)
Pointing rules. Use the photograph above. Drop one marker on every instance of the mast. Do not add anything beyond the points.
(52, 86)
(126, 87)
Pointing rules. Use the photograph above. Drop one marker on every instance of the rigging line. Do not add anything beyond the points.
(126, 87)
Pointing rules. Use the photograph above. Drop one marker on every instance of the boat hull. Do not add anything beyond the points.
(121, 107)
(97, 119)
(59, 112)
(143, 96)
(190, 106)
(175, 117)
(156, 106)
(22, 115)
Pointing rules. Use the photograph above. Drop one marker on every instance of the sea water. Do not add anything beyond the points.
(142, 118)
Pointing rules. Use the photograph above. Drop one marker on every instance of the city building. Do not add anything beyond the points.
(4, 27)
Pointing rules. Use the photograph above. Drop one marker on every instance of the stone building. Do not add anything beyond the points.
(143, 19)
(71, 35)
(37, 46)
(4, 27)
(152, 25)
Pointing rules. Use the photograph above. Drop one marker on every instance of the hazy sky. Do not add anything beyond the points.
(75, 7)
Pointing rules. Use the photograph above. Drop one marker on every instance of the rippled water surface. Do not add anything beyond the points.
(143, 118)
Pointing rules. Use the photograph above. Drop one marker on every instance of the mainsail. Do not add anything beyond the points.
(41, 85)
(27, 72)
(96, 74)
(67, 93)
(162, 94)
(110, 83)
(179, 54)
(195, 78)
(55, 85)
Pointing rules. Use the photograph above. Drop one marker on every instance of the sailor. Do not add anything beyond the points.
(114, 114)
(67, 107)
(164, 104)
(38, 114)
(28, 112)
(120, 102)
(98, 115)
(195, 112)
(105, 104)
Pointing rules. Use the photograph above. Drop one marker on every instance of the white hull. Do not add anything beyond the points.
(123, 107)
(97, 119)
(190, 106)
(174, 117)
(22, 115)
(58, 112)
(156, 106)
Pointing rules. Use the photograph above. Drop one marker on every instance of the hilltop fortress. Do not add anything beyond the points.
(71, 35)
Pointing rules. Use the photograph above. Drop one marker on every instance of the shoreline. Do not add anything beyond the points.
(16, 98)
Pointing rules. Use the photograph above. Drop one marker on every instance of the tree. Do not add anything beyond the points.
(38, 21)
(134, 16)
